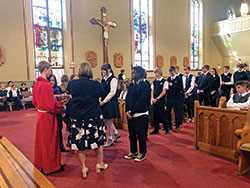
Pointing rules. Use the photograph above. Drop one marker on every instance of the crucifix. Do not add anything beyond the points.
(105, 31)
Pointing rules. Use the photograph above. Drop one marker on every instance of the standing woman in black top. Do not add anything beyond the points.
(215, 87)
(137, 110)
(109, 103)
(88, 131)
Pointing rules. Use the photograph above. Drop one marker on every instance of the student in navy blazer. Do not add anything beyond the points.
(204, 86)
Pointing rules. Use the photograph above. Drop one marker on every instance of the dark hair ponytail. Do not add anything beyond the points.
(106, 67)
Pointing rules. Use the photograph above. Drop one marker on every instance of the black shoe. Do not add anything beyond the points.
(166, 132)
(177, 129)
(140, 158)
(154, 132)
(68, 144)
(57, 171)
(64, 150)
(130, 156)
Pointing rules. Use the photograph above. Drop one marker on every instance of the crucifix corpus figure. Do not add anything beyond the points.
(105, 31)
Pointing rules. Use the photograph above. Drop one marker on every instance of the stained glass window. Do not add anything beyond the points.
(143, 35)
(48, 31)
(196, 56)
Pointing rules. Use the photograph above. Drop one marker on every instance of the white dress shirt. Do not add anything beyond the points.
(192, 83)
(165, 85)
(227, 83)
(238, 106)
(113, 88)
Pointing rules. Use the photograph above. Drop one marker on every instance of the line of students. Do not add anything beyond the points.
(179, 92)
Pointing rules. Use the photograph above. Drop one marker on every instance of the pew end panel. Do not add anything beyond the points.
(223, 102)
(243, 147)
(215, 128)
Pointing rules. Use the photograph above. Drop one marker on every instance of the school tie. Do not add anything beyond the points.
(186, 86)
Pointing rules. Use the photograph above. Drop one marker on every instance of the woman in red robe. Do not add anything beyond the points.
(47, 144)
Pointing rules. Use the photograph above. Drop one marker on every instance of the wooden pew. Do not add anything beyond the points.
(17, 171)
(121, 122)
(243, 147)
(215, 128)
(223, 102)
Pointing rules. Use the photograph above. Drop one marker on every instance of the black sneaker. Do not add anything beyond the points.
(166, 132)
(177, 130)
(154, 132)
(130, 156)
(140, 158)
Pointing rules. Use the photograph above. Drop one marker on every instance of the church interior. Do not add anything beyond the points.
(212, 149)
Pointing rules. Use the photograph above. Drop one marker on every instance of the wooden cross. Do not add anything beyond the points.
(105, 31)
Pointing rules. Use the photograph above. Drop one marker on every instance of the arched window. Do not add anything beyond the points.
(196, 52)
(143, 33)
(48, 32)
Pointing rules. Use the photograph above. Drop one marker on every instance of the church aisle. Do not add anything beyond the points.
(171, 161)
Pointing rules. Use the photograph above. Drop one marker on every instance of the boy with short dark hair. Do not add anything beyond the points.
(226, 81)
(239, 75)
(174, 98)
(23, 87)
(204, 86)
(241, 99)
(189, 92)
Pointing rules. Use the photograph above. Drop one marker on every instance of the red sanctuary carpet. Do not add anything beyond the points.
(171, 161)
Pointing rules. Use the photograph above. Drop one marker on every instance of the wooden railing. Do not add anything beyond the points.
(215, 128)
(16, 170)
(230, 26)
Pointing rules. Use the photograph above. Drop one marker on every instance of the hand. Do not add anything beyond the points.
(198, 91)
(128, 115)
(213, 92)
(223, 83)
(154, 101)
(65, 101)
(101, 103)
(170, 84)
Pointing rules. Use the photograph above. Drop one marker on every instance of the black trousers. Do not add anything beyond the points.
(189, 102)
(204, 97)
(177, 105)
(60, 127)
(159, 116)
(226, 93)
(136, 129)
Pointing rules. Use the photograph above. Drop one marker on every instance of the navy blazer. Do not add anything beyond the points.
(205, 82)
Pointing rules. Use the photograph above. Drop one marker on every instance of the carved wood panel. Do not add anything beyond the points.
(118, 59)
(186, 62)
(91, 58)
(1, 55)
(173, 61)
(159, 61)
(215, 128)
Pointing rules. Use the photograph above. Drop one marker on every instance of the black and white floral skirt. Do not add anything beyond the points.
(87, 133)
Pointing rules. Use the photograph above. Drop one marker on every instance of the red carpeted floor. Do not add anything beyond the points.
(171, 161)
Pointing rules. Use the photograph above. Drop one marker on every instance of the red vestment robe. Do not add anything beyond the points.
(47, 145)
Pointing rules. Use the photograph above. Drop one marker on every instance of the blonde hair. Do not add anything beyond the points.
(158, 70)
(64, 82)
(43, 65)
(85, 70)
